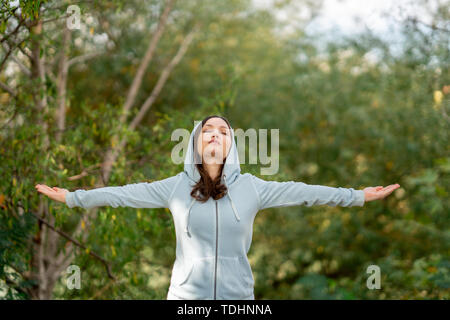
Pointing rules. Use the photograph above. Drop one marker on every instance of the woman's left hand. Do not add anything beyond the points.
(379, 192)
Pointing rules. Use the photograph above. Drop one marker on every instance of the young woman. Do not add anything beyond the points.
(213, 207)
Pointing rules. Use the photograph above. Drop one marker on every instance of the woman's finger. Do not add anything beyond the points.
(388, 188)
(393, 187)
(389, 191)
(45, 190)
(42, 189)
(48, 189)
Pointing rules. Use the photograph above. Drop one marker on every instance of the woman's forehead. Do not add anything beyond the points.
(216, 122)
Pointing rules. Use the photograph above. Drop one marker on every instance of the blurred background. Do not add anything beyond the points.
(90, 94)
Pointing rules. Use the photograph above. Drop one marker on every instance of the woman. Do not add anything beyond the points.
(213, 207)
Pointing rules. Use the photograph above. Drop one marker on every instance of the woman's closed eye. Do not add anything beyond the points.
(223, 132)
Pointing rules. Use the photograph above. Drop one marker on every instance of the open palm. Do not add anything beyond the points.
(379, 192)
(54, 193)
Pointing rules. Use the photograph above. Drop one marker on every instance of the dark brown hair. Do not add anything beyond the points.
(206, 187)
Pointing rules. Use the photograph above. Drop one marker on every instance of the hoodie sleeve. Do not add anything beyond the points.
(136, 195)
(290, 193)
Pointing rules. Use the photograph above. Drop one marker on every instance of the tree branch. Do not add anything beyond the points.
(21, 21)
(83, 57)
(57, 18)
(163, 78)
(66, 236)
(8, 89)
(15, 286)
(26, 52)
(85, 172)
(415, 20)
(111, 155)
(18, 62)
(61, 84)
(137, 81)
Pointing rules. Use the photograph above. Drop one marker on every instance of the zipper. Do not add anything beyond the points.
(215, 266)
(217, 240)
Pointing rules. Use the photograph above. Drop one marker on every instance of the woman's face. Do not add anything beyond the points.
(214, 141)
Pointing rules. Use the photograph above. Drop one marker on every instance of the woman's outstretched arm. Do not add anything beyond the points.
(290, 193)
(136, 195)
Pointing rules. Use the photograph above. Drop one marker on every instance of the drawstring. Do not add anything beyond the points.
(186, 229)
(187, 216)
(231, 200)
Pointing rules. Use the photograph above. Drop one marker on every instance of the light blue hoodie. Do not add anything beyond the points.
(214, 237)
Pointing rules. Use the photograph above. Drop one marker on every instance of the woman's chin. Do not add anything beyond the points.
(213, 160)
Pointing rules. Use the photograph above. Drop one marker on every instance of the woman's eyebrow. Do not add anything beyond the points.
(213, 126)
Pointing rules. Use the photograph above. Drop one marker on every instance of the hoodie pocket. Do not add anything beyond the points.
(180, 272)
(197, 277)
(235, 280)
(185, 274)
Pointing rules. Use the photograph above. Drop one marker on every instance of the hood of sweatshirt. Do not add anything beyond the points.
(230, 171)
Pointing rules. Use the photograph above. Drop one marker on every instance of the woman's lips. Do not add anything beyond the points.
(214, 141)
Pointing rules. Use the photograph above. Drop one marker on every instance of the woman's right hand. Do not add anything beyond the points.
(54, 193)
